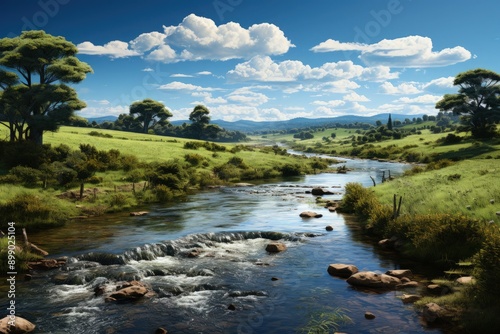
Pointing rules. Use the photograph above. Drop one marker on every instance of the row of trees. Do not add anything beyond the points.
(149, 116)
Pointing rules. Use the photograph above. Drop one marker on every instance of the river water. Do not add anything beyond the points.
(230, 228)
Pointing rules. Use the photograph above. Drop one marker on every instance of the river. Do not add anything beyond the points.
(270, 293)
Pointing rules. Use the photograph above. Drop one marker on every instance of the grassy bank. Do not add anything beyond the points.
(448, 217)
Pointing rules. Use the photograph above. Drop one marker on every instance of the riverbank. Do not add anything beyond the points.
(447, 216)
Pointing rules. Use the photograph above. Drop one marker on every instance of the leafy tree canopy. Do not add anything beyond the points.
(35, 69)
(150, 113)
(477, 101)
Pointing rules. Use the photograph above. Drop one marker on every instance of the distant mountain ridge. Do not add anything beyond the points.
(301, 122)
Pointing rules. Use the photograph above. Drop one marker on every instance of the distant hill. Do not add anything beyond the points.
(252, 126)
(102, 119)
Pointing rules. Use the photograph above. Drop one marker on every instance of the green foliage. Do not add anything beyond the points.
(291, 170)
(150, 113)
(36, 98)
(31, 210)
(325, 322)
(100, 134)
(163, 193)
(26, 175)
(477, 101)
(487, 269)
(22, 257)
(439, 238)
(194, 159)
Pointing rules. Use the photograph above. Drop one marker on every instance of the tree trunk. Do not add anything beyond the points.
(36, 136)
(81, 190)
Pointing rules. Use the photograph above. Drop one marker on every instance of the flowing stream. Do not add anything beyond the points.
(229, 228)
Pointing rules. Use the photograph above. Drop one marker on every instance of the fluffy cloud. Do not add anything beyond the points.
(422, 99)
(247, 97)
(404, 88)
(198, 38)
(181, 86)
(114, 49)
(440, 84)
(410, 51)
(263, 68)
(355, 97)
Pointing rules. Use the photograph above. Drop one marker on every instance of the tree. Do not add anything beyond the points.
(477, 101)
(200, 119)
(150, 113)
(389, 123)
(34, 70)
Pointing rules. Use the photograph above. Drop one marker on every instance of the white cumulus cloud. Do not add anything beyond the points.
(263, 68)
(113, 49)
(198, 38)
(410, 51)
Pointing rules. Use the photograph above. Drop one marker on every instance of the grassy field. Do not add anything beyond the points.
(468, 187)
(426, 146)
(153, 148)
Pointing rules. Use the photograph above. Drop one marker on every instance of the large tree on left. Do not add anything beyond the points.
(35, 70)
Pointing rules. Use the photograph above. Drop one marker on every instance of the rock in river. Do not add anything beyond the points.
(342, 270)
(373, 280)
(275, 247)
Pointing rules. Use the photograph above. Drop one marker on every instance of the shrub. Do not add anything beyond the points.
(193, 145)
(163, 193)
(291, 170)
(440, 238)
(26, 175)
(31, 210)
(488, 270)
(194, 159)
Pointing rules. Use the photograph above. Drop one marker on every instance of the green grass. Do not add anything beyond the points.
(442, 191)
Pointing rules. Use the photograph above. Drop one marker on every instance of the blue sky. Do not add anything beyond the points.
(268, 59)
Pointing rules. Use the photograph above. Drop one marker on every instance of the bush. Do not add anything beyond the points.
(488, 270)
(26, 175)
(291, 170)
(193, 145)
(31, 210)
(439, 238)
(194, 159)
(163, 193)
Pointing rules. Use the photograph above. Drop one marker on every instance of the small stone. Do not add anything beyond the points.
(274, 278)
(231, 307)
(369, 315)
(465, 280)
(329, 228)
(28, 277)
(161, 330)
(492, 201)
(400, 273)
(410, 298)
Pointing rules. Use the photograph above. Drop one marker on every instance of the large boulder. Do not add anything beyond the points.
(373, 280)
(275, 247)
(342, 270)
(15, 325)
